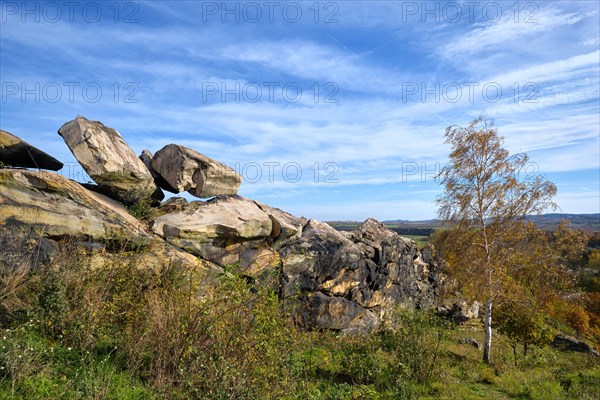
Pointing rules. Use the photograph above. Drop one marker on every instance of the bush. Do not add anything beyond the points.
(142, 209)
(77, 330)
(523, 325)
(416, 344)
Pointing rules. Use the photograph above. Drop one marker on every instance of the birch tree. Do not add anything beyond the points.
(487, 193)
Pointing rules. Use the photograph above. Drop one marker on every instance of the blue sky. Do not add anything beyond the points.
(334, 110)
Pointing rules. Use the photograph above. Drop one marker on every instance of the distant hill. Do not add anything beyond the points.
(586, 222)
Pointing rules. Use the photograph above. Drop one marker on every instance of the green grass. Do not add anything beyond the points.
(421, 240)
(327, 366)
(127, 333)
(33, 366)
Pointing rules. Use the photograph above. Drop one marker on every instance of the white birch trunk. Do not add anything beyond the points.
(487, 321)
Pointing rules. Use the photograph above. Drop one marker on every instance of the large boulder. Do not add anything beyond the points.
(183, 169)
(367, 272)
(327, 279)
(108, 160)
(57, 207)
(230, 230)
(18, 153)
(224, 230)
(320, 311)
(569, 343)
(46, 219)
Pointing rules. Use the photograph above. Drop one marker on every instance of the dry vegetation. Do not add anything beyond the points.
(121, 332)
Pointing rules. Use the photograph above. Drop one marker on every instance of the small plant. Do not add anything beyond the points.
(142, 209)
(416, 343)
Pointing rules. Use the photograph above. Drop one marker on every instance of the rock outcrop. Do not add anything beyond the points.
(108, 160)
(57, 207)
(183, 169)
(569, 343)
(461, 311)
(224, 230)
(373, 268)
(328, 280)
(17, 153)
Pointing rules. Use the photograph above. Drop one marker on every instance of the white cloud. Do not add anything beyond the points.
(506, 31)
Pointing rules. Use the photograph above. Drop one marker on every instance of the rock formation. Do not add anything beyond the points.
(38, 209)
(330, 281)
(229, 230)
(346, 281)
(183, 169)
(373, 268)
(108, 160)
(569, 343)
(18, 153)
(56, 206)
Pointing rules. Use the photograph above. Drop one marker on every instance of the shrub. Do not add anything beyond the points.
(522, 325)
(416, 342)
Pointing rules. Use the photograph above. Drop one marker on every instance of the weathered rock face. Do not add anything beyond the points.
(461, 311)
(346, 281)
(330, 312)
(361, 275)
(18, 153)
(327, 279)
(56, 207)
(225, 230)
(108, 160)
(569, 343)
(183, 169)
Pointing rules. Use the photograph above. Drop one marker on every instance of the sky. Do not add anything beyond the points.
(334, 110)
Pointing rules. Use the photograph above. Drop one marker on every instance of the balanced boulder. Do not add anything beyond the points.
(223, 230)
(18, 153)
(108, 160)
(183, 169)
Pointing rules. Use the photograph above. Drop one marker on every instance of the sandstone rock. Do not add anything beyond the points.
(321, 259)
(470, 342)
(55, 207)
(173, 204)
(23, 249)
(373, 269)
(183, 169)
(146, 157)
(461, 311)
(286, 227)
(156, 255)
(336, 313)
(220, 230)
(569, 343)
(327, 279)
(18, 153)
(108, 160)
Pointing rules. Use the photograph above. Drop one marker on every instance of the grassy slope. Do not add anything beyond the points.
(47, 369)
